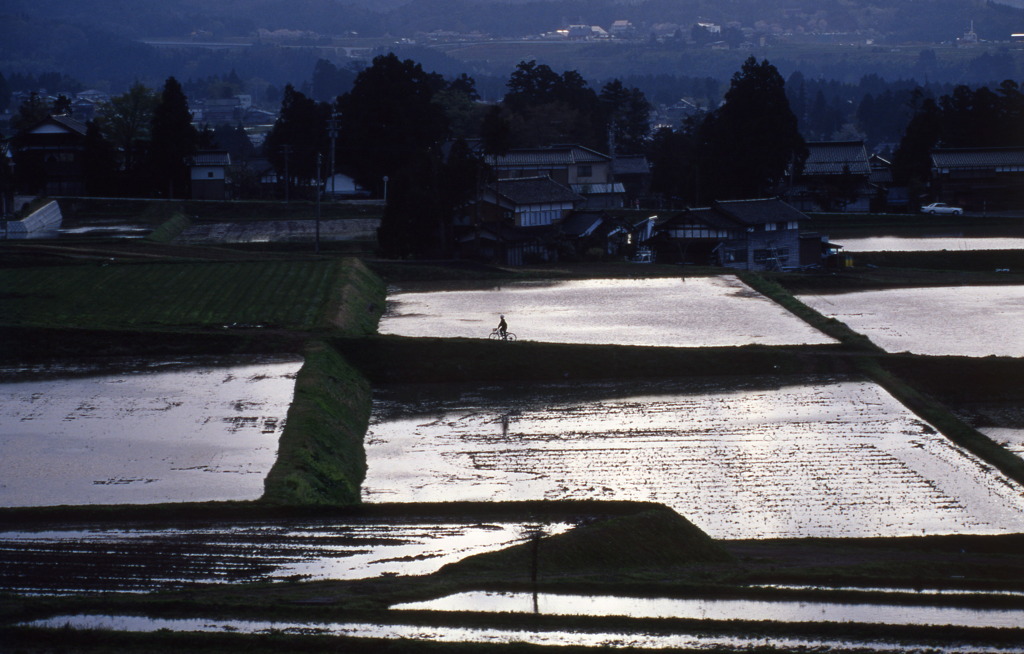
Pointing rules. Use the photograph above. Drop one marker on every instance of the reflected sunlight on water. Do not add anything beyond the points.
(670, 312)
(718, 609)
(929, 243)
(144, 434)
(826, 457)
(619, 639)
(956, 320)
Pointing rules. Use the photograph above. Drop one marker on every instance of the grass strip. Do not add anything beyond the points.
(320, 457)
(828, 326)
(936, 414)
(170, 229)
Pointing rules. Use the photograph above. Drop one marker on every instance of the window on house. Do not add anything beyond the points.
(585, 170)
(210, 175)
(769, 227)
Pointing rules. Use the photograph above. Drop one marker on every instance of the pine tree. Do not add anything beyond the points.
(173, 141)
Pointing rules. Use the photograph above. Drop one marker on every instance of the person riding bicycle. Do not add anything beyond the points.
(503, 327)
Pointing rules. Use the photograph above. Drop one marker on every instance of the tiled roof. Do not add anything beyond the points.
(212, 158)
(836, 158)
(534, 190)
(552, 156)
(758, 212)
(67, 122)
(701, 216)
(978, 157)
(632, 165)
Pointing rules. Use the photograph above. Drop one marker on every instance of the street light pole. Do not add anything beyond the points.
(319, 159)
(332, 131)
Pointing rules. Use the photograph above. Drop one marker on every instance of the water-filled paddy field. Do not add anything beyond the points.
(151, 559)
(938, 243)
(741, 458)
(640, 637)
(142, 432)
(671, 312)
(280, 231)
(951, 320)
(717, 609)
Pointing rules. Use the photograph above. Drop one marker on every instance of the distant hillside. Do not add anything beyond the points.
(103, 43)
(898, 20)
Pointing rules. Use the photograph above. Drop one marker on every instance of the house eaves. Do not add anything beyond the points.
(758, 211)
(836, 158)
(1003, 159)
(522, 191)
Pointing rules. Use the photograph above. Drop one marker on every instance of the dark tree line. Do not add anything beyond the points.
(743, 149)
(964, 118)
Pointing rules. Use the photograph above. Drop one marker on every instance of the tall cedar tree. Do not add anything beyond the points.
(751, 141)
(627, 114)
(298, 144)
(547, 108)
(388, 117)
(173, 141)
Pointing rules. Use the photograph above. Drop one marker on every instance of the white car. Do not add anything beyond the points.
(941, 207)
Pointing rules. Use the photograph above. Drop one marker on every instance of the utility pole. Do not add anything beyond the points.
(332, 131)
(319, 160)
(286, 150)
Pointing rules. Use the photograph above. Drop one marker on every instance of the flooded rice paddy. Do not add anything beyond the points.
(938, 243)
(143, 432)
(953, 320)
(607, 639)
(744, 458)
(280, 231)
(1010, 438)
(718, 609)
(672, 312)
(146, 560)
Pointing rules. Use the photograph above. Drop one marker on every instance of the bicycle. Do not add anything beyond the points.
(495, 335)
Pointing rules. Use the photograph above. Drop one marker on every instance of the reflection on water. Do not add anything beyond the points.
(958, 320)
(923, 592)
(828, 457)
(144, 433)
(533, 636)
(1011, 439)
(281, 231)
(715, 609)
(145, 560)
(930, 243)
(670, 312)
